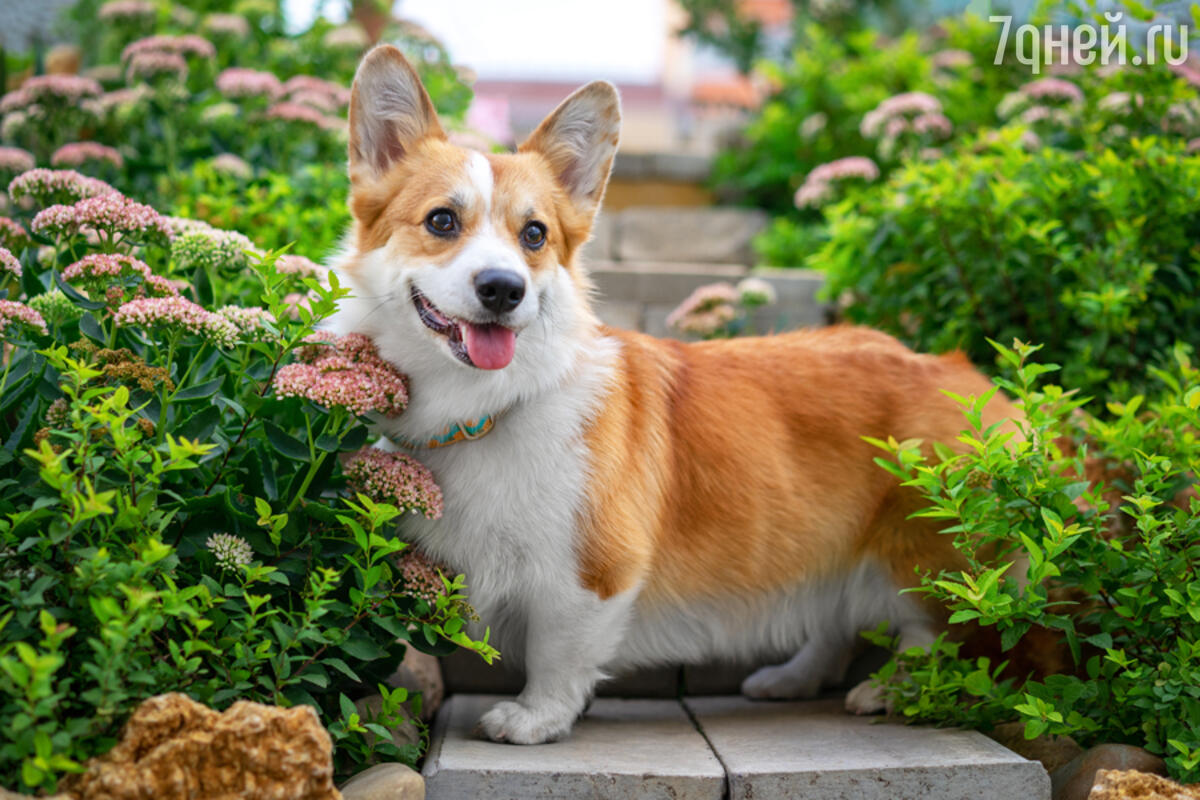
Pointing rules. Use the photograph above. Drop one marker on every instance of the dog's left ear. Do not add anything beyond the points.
(579, 140)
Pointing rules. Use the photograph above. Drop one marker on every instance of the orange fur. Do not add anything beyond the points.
(738, 465)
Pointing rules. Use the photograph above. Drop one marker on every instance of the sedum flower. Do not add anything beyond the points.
(105, 267)
(14, 313)
(79, 153)
(177, 313)
(110, 215)
(706, 310)
(9, 263)
(909, 104)
(756, 292)
(818, 186)
(288, 111)
(251, 322)
(12, 235)
(231, 552)
(210, 248)
(951, 59)
(394, 478)
(50, 89)
(189, 45)
(237, 82)
(231, 165)
(14, 160)
(300, 266)
(1053, 89)
(421, 575)
(56, 308)
(155, 64)
(345, 373)
(47, 186)
(308, 85)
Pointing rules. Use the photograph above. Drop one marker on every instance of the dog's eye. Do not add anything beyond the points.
(533, 235)
(442, 222)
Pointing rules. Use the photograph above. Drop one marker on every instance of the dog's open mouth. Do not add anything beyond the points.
(485, 345)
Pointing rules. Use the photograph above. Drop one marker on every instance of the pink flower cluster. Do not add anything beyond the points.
(50, 89)
(14, 159)
(99, 270)
(420, 574)
(394, 478)
(229, 164)
(9, 263)
(12, 235)
(188, 45)
(1053, 89)
(951, 59)
(818, 186)
(242, 82)
(79, 153)
(12, 312)
(706, 310)
(121, 10)
(297, 112)
(56, 186)
(117, 100)
(348, 373)
(177, 313)
(155, 64)
(110, 214)
(909, 104)
(307, 89)
(299, 265)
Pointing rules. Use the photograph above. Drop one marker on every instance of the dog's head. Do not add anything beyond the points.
(471, 256)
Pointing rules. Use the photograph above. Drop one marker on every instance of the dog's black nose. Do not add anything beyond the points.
(499, 290)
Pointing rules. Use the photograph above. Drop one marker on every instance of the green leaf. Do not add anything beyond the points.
(199, 391)
(284, 444)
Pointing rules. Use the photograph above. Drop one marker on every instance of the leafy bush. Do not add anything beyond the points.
(1107, 568)
(1093, 256)
(183, 509)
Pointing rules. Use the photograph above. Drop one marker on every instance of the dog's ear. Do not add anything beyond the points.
(579, 140)
(389, 112)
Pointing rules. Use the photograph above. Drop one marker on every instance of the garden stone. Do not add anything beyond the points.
(1052, 751)
(720, 235)
(5, 794)
(421, 672)
(1112, 784)
(385, 782)
(251, 751)
(405, 734)
(1074, 780)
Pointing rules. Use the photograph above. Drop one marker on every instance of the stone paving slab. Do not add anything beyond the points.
(815, 750)
(637, 749)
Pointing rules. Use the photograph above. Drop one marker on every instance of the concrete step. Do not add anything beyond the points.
(724, 747)
(637, 749)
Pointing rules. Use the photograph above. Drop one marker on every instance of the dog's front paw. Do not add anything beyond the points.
(867, 698)
(514, 723)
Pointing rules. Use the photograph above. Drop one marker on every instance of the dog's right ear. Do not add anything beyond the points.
(390, 111)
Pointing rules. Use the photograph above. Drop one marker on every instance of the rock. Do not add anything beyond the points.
(421, 672)
(1073, 780)
(406, 733)
(1113, 784)
(1052, 751)
(385, 782)
(173, 748)
(5, 794)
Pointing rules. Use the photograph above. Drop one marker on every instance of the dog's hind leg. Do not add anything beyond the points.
(821, 661)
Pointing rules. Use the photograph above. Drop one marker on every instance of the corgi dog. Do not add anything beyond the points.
(617, 500)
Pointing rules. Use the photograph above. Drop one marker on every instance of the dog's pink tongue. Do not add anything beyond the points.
(489, 346)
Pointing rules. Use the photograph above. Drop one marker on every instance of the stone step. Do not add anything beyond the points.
(724, 747)
(638, 749)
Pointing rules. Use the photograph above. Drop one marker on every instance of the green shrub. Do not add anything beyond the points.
(182, 509)
(1117, 586)
(1092, 254)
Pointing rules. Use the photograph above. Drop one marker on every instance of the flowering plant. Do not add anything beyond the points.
(176, 515)
(720, 310)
